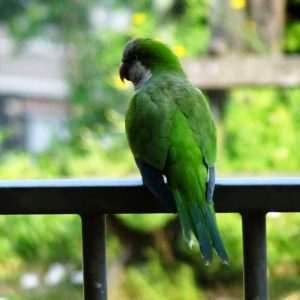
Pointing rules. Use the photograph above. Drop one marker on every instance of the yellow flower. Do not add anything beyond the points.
(117, 83)
(238, 4)
(179, 50)
(138, 18)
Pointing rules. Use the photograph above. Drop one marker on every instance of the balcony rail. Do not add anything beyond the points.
(253, 198)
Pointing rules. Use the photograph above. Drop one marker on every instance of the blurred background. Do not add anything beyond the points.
(62, 109)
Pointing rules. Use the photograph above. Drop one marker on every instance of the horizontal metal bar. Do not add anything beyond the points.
(69, 196)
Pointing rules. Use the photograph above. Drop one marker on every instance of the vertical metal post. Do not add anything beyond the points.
(94, 257)
(255, 256)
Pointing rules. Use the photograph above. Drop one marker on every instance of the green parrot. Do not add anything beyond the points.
(172, 135)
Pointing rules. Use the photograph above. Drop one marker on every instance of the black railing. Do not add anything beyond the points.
(92, 199)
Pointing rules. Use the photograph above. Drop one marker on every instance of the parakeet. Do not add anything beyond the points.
(172, 135)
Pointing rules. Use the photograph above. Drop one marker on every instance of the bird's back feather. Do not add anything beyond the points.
(169, 126)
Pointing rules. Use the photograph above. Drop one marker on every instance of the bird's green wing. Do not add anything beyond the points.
(148, 127)
(194, 107)
(149, 114)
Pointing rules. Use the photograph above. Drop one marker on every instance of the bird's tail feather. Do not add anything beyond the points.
(201, 221)
(184, 217)
(191, 220)
(201, 233)
(214, 233)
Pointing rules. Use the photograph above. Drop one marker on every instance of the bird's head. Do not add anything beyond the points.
(143, 58)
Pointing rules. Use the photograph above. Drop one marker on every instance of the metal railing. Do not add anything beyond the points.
(92, 199)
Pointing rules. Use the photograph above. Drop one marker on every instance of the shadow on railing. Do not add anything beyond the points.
(92, 199)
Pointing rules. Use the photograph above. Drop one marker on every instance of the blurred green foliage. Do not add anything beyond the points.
(259, 134)
(146, 223)
(141, 281)
(267, 137)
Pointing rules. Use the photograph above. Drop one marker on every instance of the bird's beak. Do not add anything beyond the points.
(123, 72)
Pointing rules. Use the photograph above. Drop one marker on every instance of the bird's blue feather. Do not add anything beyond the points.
(154, 180)
(210, 185)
